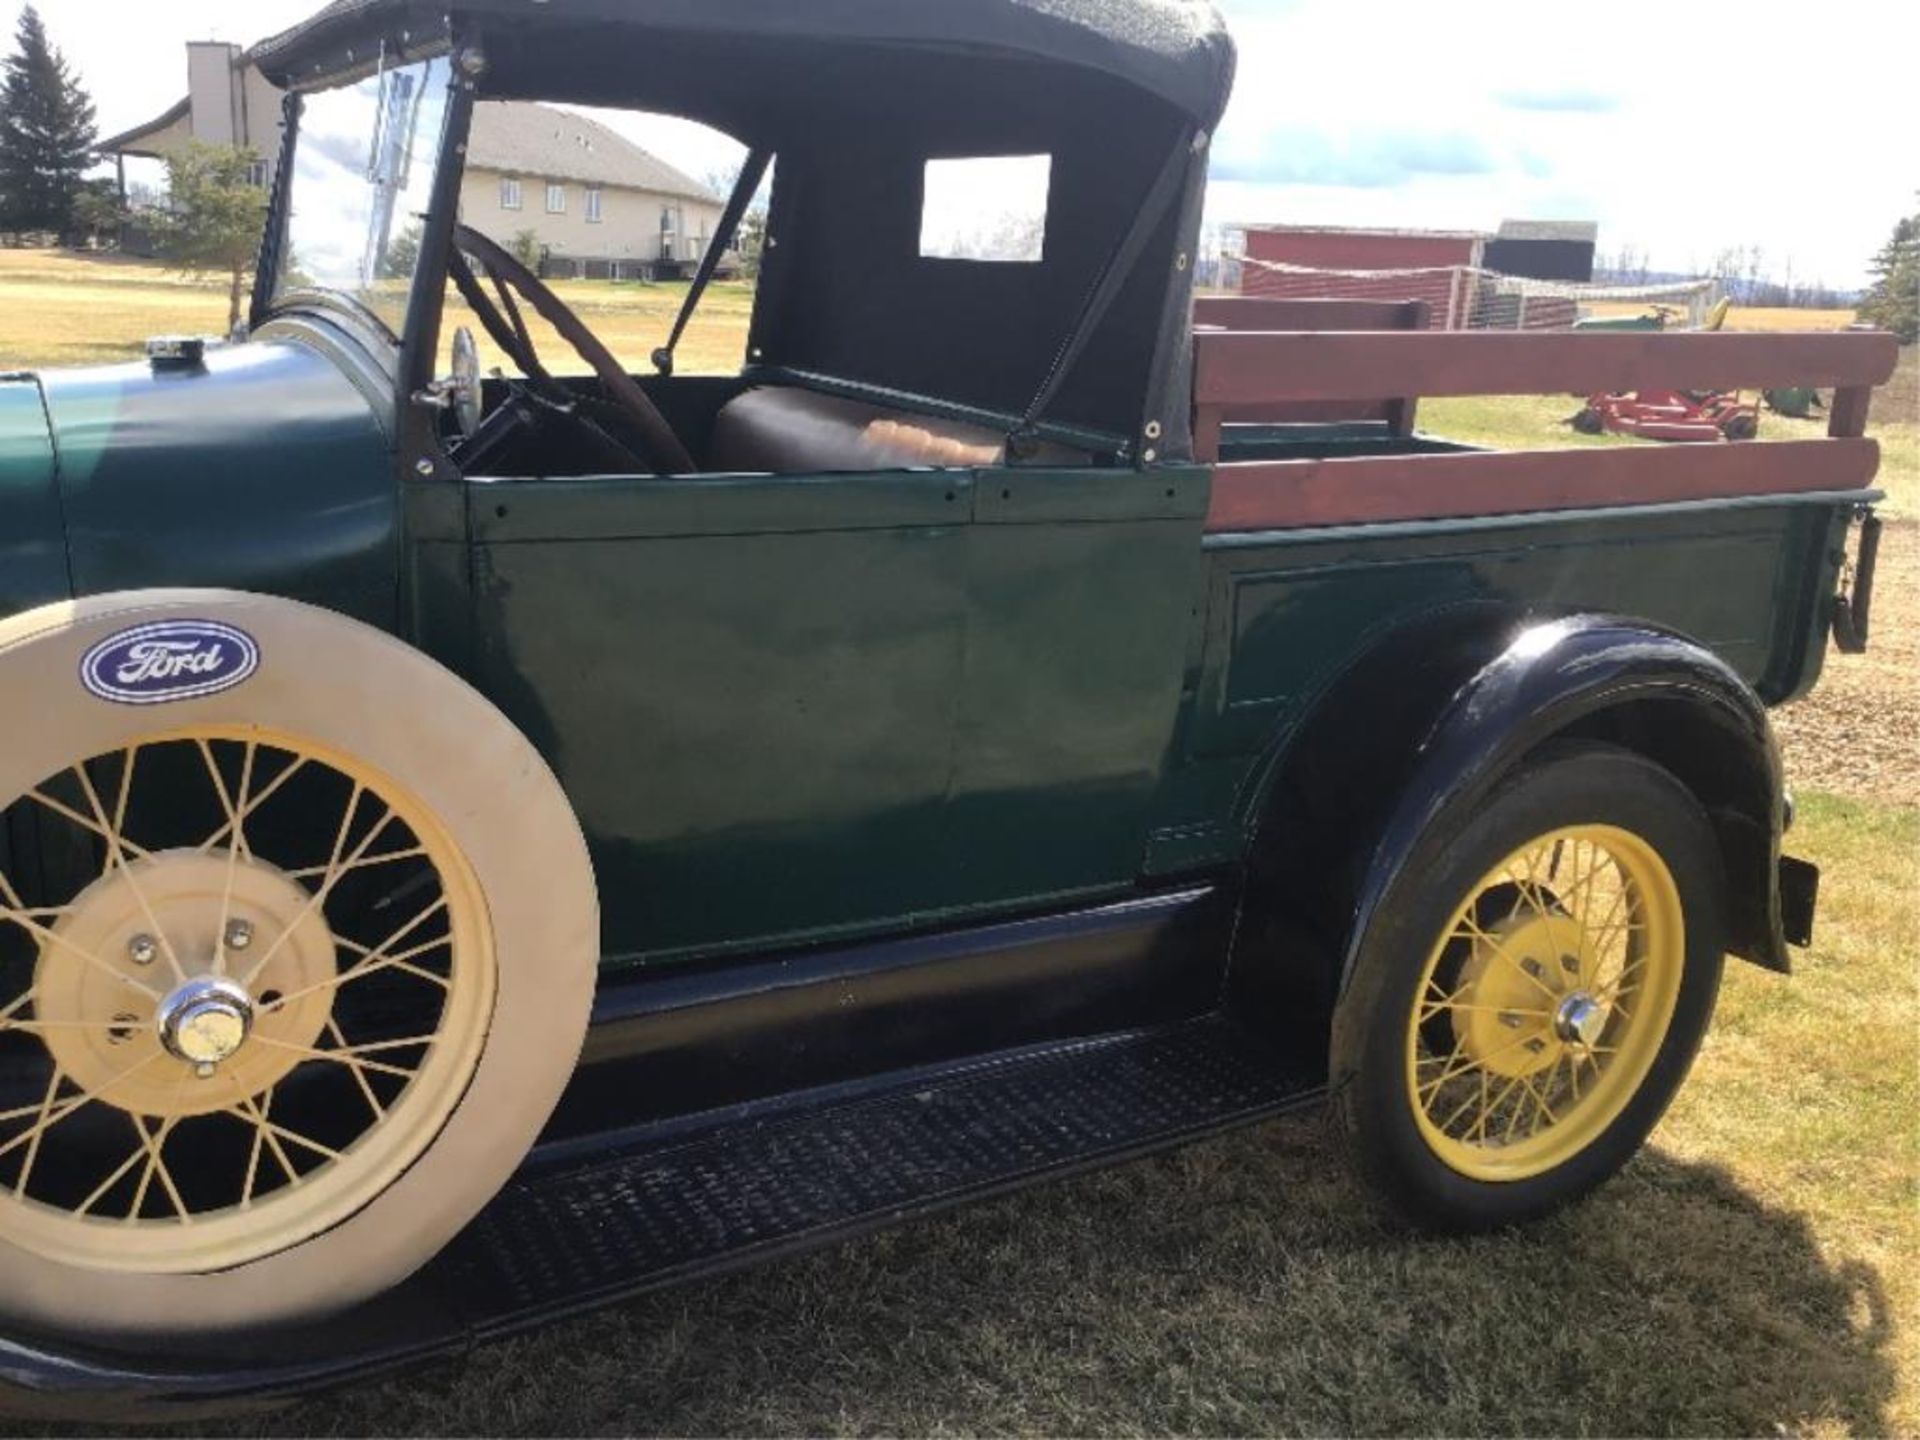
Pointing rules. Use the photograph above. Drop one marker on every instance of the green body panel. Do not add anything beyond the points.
(33, 553)
(753, 719)
(1288, 615)
(265, 470)
(792, 708)
(1081, 589)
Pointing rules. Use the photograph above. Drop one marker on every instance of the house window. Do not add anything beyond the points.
(556, 199)
(593, 205)
(257, 174)
(510, 195)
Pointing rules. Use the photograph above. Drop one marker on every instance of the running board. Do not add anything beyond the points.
(751, 1187)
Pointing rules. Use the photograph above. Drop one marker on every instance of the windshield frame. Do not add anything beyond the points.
(272, 300)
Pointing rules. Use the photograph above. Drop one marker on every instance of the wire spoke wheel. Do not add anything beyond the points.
(1545, 1002)
(244, 980)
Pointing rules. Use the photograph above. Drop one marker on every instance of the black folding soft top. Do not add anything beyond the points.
(856, 97)
(1177, 50)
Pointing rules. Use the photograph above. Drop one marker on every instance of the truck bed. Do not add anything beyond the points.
(1334, 522)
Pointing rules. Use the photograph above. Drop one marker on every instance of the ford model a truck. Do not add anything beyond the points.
(476, 848)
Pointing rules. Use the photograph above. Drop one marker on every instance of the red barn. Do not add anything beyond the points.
(1331, 262)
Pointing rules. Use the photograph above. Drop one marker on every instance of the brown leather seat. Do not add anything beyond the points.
(783, 431)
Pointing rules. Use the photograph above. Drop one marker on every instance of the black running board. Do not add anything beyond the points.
(562, 1240)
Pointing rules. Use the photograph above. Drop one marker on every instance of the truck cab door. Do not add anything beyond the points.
(747, 686)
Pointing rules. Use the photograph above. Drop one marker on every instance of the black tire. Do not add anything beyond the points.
(1564, 786)
(1589, 422)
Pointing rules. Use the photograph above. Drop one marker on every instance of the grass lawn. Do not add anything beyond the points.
(1756, 1271)
(63, 309)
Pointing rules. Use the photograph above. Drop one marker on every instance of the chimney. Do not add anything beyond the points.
(213, 79)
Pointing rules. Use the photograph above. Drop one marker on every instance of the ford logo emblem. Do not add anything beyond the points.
(172, 660)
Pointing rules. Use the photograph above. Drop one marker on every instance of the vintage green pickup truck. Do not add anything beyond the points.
(477, 848)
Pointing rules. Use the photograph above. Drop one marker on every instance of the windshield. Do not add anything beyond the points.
(363, 174)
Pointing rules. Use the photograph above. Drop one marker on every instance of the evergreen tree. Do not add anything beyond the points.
(46, 134)
(1893, 301)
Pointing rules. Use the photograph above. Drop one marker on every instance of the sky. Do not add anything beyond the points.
(1781, 125)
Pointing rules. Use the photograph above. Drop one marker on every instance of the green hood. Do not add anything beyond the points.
(33, 551)
(265, 469)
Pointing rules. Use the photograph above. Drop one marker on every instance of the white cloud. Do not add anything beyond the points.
(1780, 127)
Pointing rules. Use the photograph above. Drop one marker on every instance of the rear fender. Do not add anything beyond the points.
(1437, 715)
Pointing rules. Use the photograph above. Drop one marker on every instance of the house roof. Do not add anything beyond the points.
(1176, 49)
(1582, 231)
(130, 142)
(520, 138)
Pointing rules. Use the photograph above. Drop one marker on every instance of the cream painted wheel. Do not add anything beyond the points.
(291, 973)
(245, 1036)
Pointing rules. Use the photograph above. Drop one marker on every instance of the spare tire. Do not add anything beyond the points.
(298, 944)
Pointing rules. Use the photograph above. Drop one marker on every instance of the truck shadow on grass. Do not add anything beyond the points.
(1237, 1288)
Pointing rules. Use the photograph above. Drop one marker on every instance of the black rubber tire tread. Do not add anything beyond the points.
(1563, 785)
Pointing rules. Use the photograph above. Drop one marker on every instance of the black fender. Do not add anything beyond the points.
(1434, 716)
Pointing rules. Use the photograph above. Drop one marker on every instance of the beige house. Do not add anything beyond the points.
(228, 103)
(598, 205)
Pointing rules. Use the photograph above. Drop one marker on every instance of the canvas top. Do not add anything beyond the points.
(1177, 50)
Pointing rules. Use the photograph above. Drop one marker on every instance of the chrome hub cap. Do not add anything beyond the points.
(205, 1021)
(1580, 1020)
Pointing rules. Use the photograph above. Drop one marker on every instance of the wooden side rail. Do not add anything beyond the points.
(1246, 368)
(1252, 312)
(1292, 494)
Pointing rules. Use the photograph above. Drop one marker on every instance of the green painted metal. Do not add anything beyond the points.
(1077, 621)
(747, 687)
(33, 555)
(795, 708)
(264, 470)
(1287, 614)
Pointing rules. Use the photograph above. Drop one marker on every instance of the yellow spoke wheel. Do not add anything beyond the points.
(1544, 1004)
(1528, 992)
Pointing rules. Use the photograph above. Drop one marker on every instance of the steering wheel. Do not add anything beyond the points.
(663, 451)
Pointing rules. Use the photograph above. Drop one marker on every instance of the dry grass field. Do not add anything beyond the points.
(62, 309)
(1757, 1271)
